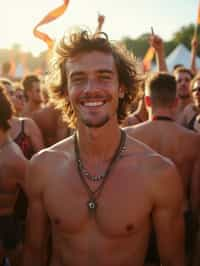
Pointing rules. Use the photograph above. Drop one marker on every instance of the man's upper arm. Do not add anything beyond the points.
(195, 179)
(21, 165)
(36, 232)
(168, 216)
(35, 135)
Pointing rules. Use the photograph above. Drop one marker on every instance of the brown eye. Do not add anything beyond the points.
(78, 80)
(105, 77)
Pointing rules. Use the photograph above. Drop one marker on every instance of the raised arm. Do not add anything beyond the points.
(194, 46)
(158, 45)
(101, 19)
(37, 220)
(168, 216)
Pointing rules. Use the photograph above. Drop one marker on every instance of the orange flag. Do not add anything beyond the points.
(52, 15)
(12, 65)
(148, 58)
(198, 14)
(197, 22)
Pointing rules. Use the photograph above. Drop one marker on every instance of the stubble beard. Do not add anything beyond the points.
(184, 95)
(97, 124)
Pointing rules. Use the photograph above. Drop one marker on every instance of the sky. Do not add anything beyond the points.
(123, 18)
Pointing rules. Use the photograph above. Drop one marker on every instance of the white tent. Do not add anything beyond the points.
(180, 55)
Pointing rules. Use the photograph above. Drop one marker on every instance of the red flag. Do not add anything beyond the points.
(148, 58)
(52, 15)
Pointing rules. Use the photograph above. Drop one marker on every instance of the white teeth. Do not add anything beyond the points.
(93, 103)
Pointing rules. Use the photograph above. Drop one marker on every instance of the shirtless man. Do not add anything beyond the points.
(140, 114)
(12, 172)
(165, 136)
(49, 120)
(32, 93)
(183, 77)
(77, 183)
(192, 110)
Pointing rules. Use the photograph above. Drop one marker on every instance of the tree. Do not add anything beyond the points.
(138, 46)
(185, 35)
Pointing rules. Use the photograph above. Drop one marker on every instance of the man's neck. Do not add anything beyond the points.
(98, 142)
(161, 113)
(32, 107)
(183, 101)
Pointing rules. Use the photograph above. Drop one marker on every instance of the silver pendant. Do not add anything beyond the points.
(92, 205)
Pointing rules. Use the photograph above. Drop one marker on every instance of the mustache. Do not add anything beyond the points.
(95, 97)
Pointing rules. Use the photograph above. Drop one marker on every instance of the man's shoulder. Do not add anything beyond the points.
(151, 159)
(45, 111)
(54, 153)
(15, 160)
(188, 135)
(142, 151)
(190, 108)
(134, 129)
(165, 180)
(144, 132)
(46, 165)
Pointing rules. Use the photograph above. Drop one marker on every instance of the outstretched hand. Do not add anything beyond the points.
(101, 19)
(156, 42)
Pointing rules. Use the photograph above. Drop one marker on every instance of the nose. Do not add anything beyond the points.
(91, 86)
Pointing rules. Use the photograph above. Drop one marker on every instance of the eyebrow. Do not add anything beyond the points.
(78, 73)
(100, 71)
(103, 71)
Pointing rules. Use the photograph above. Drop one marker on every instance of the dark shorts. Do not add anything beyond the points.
(152, 256)
(188, 231)
(10, 232)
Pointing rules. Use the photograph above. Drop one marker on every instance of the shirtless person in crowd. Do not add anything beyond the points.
(90, 188)
(49, 120)
(32, 93)
(183, 78)
(192, 110)
(12, 174)
(140, 114)
(165, 136)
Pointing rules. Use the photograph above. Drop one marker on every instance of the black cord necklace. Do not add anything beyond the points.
(162, 118)
(94, 194)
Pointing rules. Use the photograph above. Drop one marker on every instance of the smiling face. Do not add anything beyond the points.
(93, 88)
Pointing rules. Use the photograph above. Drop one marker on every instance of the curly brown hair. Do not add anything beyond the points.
(6, 108)
(84, 42)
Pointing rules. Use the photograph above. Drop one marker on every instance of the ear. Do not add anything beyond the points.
(121, 92)
(147, 100)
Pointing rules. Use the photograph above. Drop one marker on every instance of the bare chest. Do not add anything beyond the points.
(122, 203)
